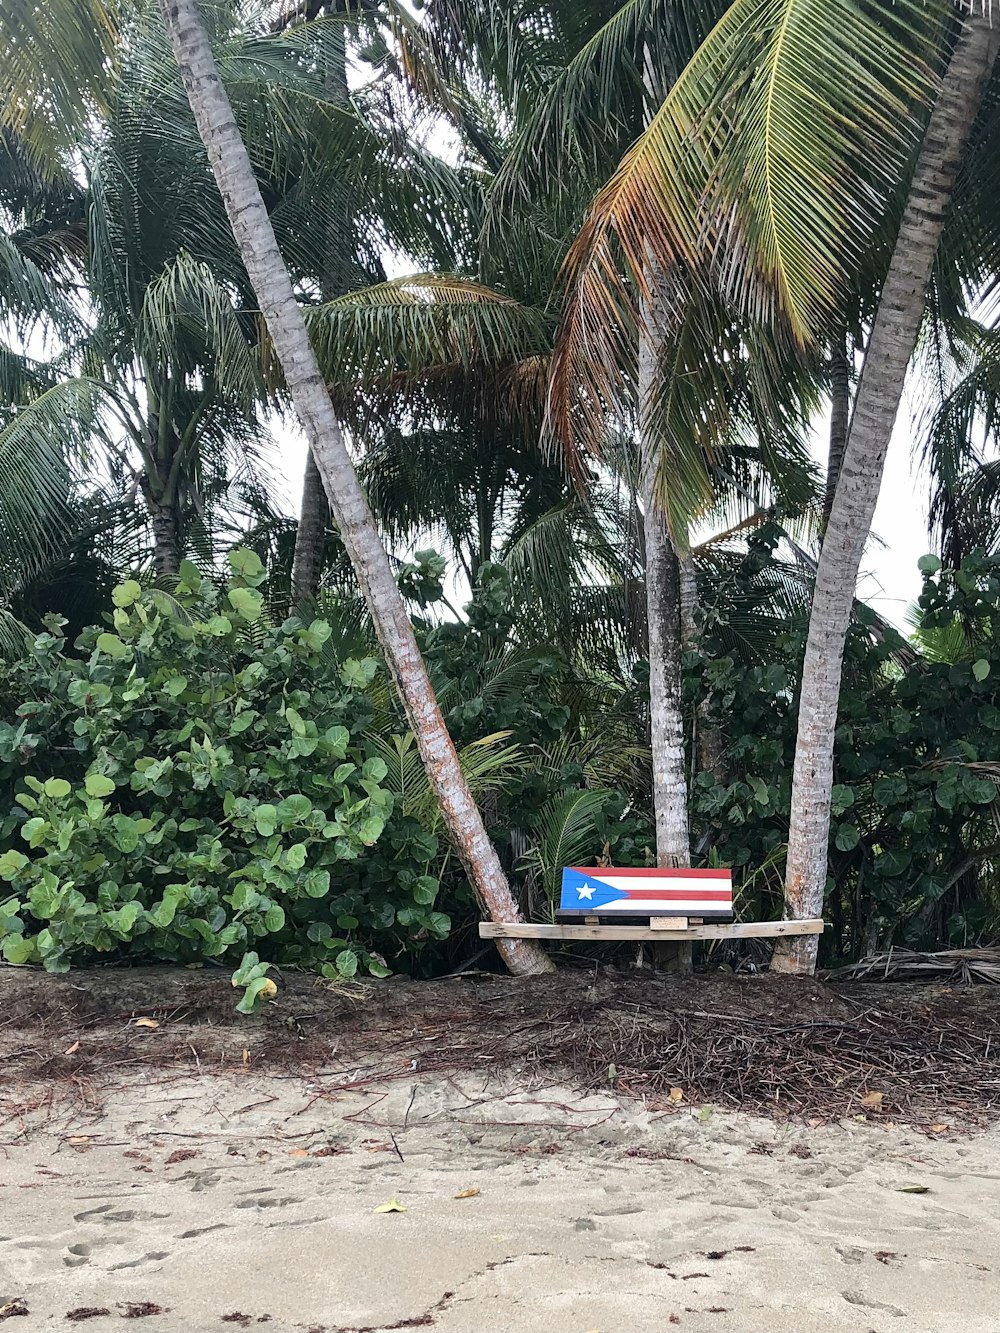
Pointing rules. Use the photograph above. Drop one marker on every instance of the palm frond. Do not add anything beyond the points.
(54, 61)
(764, 175)
(186, 303)
(36, 448)
(487, 765)
(404, 328)
(565, 833)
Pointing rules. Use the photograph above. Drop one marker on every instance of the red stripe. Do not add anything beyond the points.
(677, 895)
(659, 873)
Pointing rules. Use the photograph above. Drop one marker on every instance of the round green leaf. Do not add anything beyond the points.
(847, 837)
(246, 602)
(274, 918)
(294, 808)
(111, 646)
(347, 962)
(295, 857)
(981, 669)
(371, 830)
(127, 593)
(317, 883)
(265, 819)
(245, 563)
(96, 784)
(57, 788)
(11, 863)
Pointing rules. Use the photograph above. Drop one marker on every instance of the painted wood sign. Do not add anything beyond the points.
(609, 891)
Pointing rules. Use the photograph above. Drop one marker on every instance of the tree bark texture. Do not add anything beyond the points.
(314, 512)
(164, 520)
(880, 388)
(663, 617)
(310, 535)
(272, 285)
(840, 411)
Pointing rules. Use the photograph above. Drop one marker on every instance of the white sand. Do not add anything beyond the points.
(591, 1214)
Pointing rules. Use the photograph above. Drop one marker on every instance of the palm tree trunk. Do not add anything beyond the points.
(310, 535)
(663, 619)
(666, 719)
(314, 513)
(840, 411)
(890, 347)
(166, 538)
(663, 573)
(709, 747)
(272, 285)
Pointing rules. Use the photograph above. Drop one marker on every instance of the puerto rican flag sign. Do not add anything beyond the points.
(609, 890)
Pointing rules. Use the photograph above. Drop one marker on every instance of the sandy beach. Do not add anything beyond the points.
(208, 1201)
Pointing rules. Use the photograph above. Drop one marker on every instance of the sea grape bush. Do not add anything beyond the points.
(914, 848)
(194, 784)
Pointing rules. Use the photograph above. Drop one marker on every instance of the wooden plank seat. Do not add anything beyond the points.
(734, 930)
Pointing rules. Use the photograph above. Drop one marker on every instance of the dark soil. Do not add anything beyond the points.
(775, 1045)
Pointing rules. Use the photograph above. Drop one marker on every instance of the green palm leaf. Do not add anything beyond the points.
(565, 834)
(773, 155)
(403, 329)
(487, 765)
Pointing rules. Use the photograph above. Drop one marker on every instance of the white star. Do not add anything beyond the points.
(586, 892)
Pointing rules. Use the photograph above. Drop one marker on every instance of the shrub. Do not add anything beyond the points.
(195, 784)
(913, 845)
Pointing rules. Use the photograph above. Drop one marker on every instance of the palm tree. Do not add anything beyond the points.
(723, 185)
(891, 344)
(271, 282)
(160, 378)
(577, 82)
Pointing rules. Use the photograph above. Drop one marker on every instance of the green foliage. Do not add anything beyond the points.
(581, 788)
(913, 844)
(195, 785)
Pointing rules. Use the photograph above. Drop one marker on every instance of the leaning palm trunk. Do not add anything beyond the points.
(271, 283)
(893, 338)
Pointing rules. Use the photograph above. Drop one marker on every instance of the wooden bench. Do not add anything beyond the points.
(666, 905)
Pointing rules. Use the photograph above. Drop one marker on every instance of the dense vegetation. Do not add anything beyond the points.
(583, 430)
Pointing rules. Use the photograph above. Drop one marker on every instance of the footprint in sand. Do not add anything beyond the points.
(850, 1254)
(858, 1298)
(203, 1180)
(201, 1231)
(77, 1255)
(155, 1256)
(281, 1202)
(104, 1214)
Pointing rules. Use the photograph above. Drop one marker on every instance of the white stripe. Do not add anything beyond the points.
(643, 906)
